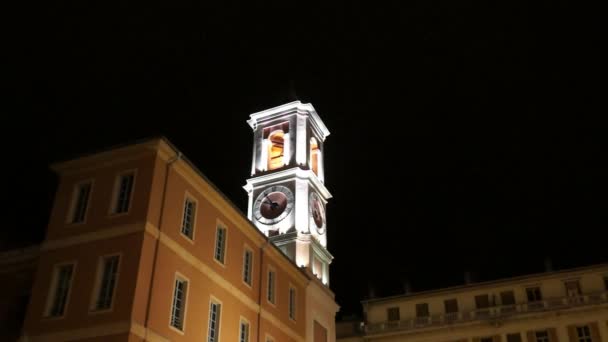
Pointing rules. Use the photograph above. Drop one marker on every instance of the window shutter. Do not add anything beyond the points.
(595, 331)
(572, 333)
(553, 335)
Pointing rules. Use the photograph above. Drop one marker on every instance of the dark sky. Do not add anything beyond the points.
(465, 135)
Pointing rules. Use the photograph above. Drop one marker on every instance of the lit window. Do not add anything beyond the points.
(292, 303)
(276, 149)
(244, 331)
(60, 290)
(315, 155)
(188, 219)
(271, 285)
(220, 244)
(123, 193)
(106, 282)
(81, 202)
(541, 336)
(214, 322)
(247, 266)
(178, 309)
(583, 334)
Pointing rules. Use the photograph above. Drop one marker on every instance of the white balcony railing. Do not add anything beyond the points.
(495, 312)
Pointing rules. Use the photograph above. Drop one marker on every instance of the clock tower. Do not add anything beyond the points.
(287, 194)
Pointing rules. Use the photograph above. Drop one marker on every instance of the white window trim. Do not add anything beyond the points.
(215, 300)
(246, 249)
(188, 196)
(219, 224)
(179, 276)
(97, 286)
(115, 189)
(53, 287)
(274, 290)
(74, 202)
(295, 303)
(246, 321)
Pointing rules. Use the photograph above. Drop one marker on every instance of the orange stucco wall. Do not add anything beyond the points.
(78, 312)
(149, 265)
(98, 215)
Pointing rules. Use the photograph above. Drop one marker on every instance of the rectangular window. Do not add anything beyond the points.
(486, 339)
(271, 286)
(516, 337)
(220, 244)
(393, 314)
(292, 303)
(451, 305)
(244, 331)
(214, 322)
(422, 310)
(60, 290)
(482, 301)
(573, 288)
(123, 193)
(507, 298)
(188, 219)
(247, 266)
(107, 282)
(583, 334)
(178, 309)
(81, 202)
(534, 294)
(541, 336)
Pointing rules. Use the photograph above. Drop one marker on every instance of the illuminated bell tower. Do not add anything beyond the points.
(287, 195)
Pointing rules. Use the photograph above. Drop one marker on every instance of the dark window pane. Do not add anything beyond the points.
(422, 310)
(451, 305)
(393, 314)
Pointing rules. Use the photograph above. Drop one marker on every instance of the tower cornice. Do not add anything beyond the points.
(295, 107)
(286, 175)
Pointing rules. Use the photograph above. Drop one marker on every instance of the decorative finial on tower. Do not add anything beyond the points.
(291, 92)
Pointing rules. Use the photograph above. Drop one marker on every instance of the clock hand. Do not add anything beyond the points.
(272, 204)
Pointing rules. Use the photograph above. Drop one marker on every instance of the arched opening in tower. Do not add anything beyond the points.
(276, 150)
(315, 155)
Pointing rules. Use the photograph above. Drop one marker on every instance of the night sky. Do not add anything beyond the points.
(465, 135)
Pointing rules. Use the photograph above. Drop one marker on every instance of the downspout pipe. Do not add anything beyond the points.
(261, 273)
(170, 162)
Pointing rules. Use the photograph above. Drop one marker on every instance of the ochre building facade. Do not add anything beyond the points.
(558, 306)
(140, 246)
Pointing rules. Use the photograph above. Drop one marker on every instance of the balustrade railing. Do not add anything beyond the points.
(496, 312)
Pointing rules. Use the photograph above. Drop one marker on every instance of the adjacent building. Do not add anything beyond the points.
(141, 246)
(560, 306)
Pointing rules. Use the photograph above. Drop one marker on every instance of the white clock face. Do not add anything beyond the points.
(273, 204)
(317, 212)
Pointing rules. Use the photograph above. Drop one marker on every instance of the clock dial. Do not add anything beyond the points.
(273, 204)
(317, 212)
